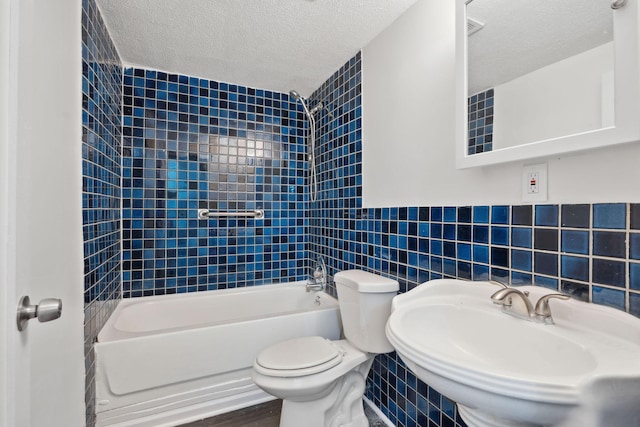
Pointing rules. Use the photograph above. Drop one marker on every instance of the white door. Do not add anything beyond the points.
(41, 368)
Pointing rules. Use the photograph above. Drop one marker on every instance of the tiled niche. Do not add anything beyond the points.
(591, 251)
(101, 162)
(192, 144)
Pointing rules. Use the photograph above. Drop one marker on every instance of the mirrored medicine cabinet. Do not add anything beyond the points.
(539, 78)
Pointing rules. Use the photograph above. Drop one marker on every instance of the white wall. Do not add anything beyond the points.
(408, 130)
(564, 98)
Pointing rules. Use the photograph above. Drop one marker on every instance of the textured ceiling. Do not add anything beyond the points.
(272, 44)
(525, 35)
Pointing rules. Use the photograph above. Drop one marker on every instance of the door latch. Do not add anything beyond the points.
(48, 309)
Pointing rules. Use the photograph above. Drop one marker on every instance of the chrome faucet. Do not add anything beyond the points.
(522, 306)
(319, 280)
(519, 307)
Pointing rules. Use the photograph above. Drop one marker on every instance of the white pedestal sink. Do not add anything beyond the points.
(582, 371)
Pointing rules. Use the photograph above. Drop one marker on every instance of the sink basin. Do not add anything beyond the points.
(582, 371)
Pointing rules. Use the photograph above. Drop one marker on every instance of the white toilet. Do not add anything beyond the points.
(322, 382)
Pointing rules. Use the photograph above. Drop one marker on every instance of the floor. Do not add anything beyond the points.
(263, 415)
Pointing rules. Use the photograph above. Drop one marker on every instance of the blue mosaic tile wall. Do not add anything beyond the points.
(591, 251)
(101, 167)
(192, 144)
(480, 113)
(338, 160)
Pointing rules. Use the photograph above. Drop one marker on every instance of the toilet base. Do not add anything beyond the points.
(342, 407)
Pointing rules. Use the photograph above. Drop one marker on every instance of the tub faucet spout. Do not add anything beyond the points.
(319, 280)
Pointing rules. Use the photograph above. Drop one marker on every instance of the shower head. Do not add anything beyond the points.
(295, 95)
(316, 108)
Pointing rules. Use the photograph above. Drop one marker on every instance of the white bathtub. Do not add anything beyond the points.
(167, 360)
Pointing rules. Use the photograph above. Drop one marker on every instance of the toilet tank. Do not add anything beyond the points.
(365, 305)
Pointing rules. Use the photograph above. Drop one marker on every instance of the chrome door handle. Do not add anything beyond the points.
(48, 309)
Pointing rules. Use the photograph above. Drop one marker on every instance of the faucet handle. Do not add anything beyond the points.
(542, 306)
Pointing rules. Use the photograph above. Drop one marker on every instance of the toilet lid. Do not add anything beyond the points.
(308, 354)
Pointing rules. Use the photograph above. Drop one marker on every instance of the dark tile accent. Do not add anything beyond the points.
(545, 239)
(545, 263)
(576, 216)
(464, 214)
(634, 216)
(423, 214)
(608, 272)
(521, 215)
(403, 214)
(449, 249)
(609, 244)
(500, 257)
(464, 233)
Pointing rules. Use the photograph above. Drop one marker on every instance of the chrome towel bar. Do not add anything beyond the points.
(206, 213)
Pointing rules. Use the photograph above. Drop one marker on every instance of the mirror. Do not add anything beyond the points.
(539, 78)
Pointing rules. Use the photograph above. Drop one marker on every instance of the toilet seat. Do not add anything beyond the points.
(298, 357)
